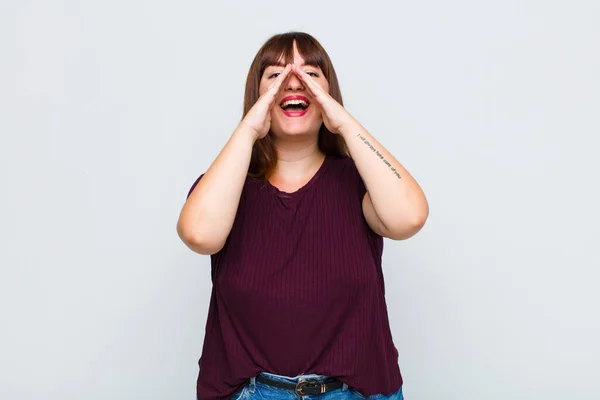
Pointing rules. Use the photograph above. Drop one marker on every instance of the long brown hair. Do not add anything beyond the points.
(281, 46)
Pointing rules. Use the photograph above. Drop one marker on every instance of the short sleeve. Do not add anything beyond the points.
(194, 186)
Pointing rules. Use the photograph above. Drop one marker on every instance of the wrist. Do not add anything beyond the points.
(246, 133)
(349, 127)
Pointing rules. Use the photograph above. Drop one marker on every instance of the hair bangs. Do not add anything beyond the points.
(277, 51)
(313, 54)
(280, 50)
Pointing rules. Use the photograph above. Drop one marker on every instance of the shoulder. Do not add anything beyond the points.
(343, 170)
(342, 164)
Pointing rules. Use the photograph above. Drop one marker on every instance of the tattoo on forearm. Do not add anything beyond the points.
(378, 154)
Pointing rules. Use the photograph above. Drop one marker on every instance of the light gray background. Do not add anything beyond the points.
(110, 110)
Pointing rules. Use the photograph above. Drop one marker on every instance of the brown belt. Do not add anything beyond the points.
(303, 388)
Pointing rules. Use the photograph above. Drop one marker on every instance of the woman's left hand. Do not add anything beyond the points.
(333, 113)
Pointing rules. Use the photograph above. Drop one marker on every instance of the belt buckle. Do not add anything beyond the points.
(302, 384)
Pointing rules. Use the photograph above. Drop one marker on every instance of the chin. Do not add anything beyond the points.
(308, 124)
(291, 132)
(297, 130)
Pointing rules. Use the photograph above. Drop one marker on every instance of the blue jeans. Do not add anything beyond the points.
(259, 390)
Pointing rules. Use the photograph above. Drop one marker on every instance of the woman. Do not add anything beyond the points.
(297, 306)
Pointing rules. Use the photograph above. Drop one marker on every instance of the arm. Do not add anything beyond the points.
(394, 205)
(208, 214)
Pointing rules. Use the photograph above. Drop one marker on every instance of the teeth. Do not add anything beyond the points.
(294, 102)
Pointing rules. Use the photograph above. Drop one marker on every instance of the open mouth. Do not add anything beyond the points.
(294, 106)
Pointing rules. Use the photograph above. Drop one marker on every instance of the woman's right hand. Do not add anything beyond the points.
(258, 118)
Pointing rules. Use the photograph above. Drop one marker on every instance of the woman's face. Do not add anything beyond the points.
(290, 114)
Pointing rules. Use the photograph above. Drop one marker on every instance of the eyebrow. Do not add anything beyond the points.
(280, 64)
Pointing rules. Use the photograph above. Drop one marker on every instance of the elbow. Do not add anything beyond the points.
(206, 244)
(205, 248)
(418, 220)
(406, 233)
(406, 230)
(412, 223)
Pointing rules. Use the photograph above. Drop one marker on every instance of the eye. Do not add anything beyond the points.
(274, 75)
(313, 74)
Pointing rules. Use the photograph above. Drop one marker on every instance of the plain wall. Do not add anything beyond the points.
(110, 110)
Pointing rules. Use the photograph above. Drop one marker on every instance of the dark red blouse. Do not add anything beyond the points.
(298, 289)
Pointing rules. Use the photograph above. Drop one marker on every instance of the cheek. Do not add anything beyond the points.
(262, 87)
(324, 84)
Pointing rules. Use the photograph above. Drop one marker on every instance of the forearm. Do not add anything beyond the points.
(397, 198)
(208, 214)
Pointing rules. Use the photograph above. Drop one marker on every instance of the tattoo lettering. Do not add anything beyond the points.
(374, 150)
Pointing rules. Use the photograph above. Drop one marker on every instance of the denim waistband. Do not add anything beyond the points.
(296, 379)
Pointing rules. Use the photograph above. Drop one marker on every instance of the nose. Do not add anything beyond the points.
(294, 83)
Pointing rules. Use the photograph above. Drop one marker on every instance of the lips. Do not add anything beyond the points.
(294, 106)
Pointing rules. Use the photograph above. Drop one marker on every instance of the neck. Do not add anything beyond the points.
(297, 158)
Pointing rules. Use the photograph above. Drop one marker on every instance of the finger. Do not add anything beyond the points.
(276, 85)
(271, 93)
(312, 86)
